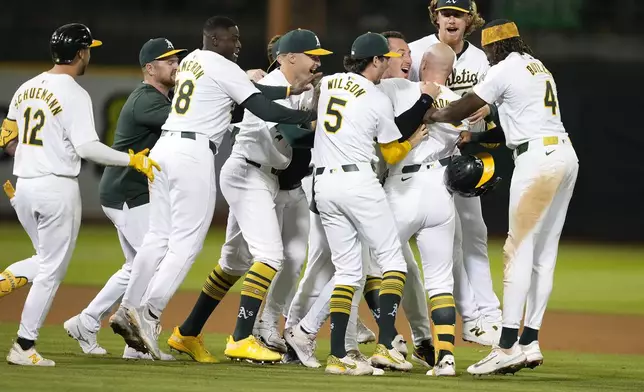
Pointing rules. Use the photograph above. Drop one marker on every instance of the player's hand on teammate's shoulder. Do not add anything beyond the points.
(255, 74)
(305, 84)
(479, 114)
(418, 135)
(142, 163)
(430, 88)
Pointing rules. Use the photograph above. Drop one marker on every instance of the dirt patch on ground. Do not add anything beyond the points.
(561, 331)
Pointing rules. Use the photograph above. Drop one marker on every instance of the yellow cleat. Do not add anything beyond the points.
(384, 358)
(251, 350)
(191, 345)
(10, 283)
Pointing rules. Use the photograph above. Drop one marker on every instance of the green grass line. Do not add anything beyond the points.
(562, 372)
(588, 278)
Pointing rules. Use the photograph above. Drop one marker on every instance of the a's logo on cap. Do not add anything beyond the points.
(317, 41)
(450, 2)
(170, 46)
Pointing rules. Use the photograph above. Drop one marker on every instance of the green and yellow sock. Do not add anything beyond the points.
(371, 295)
(391, 290)
(254, 289)
(341, 299)
(214, 290)
(443, 314)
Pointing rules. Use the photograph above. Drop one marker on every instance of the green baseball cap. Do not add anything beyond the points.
(301, 41)
(157, 49)
(371, 45)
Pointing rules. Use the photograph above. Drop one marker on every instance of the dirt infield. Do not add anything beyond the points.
(562, 331)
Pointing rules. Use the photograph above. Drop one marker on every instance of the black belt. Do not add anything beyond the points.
(523, 147)
(257, 165)
(193, 136)
(345, 168)
(415, 168)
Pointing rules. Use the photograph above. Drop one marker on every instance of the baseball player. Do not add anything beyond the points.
(475, 298)
(124, 194)
(545, 173)
(423, 207)
(250, 184)
(314, 296)
(208, 84)
(52, 116)
(351, 202)
(293, 213)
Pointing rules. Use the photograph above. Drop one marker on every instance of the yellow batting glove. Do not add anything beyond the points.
(8, 189)
(140, 162)
(8, 132)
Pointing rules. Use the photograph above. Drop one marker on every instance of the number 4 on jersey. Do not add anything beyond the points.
(550, 100)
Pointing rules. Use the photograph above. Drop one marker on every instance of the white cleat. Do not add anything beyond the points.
(384, 358)
(121, 326)
(481, 331)
(303, 344)
(357, 356)
(446, 367)
(18, 356)
(86, 339)
(131, 353)
(347, 366)
(146, 328)
(270, 336)
(499, 361)
(400, 344)
(533, 355)
(365, 335)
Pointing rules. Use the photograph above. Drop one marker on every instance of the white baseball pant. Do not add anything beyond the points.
(182, 203)
(251, 192)
(473, 291)
(51, 205)
(424, 208)
(353, 207)
(131, 225)
(293, 215)
(542, 186)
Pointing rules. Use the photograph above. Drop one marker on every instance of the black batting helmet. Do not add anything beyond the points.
(471, 175)
(68, 39)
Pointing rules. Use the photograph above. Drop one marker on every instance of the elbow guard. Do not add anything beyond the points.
(395, 151)
(8, 132)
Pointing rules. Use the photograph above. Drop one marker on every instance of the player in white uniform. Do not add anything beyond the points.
(182, 201)
(317, 284)
(475, 298)
(544, 177)
(352, 112)
(249, 182)
(423, 208)
(55, 123)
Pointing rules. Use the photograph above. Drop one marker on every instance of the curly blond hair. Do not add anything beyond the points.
(269, 48)
(476, 21)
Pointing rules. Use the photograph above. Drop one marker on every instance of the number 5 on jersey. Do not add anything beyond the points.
(182, 96)
(333, 110)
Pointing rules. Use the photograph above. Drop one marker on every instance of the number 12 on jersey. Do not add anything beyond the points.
(333, 110)
(550, 100)
(30, 135)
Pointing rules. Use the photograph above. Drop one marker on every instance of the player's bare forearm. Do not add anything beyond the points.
(457, 110)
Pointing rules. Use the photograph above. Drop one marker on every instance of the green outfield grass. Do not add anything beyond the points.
(77, 372)
(588, 278)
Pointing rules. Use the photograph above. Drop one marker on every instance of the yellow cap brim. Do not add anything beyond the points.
(392, 54)
(453, 8)
(95, 43)
(318, 52)
(171, 53)
(488, 168)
